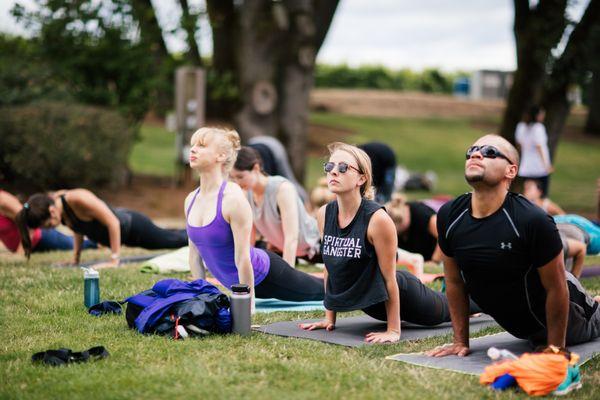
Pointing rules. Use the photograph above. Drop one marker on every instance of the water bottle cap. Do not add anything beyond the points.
(240, 288)
(90, 273)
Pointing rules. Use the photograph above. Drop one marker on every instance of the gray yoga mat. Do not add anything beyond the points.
(351, 331)
(476, 362)
(123, 260)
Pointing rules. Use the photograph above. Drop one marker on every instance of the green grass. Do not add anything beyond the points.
(439, 145)
(436, 144)
(154, 152)
(42, 308)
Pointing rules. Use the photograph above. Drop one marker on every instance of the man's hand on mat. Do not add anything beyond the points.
(325, 324)
(449, 350)
(382, 337)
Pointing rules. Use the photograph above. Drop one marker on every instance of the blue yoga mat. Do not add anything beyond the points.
(272, 305)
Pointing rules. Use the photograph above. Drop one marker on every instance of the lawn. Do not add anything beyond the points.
(42, 308)
(154, 152)
(420, 145)
(439, 145)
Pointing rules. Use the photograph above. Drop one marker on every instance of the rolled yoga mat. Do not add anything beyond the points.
(476, 362)
(173, 261)
(272, 305)
(351, 331)
(590, 271)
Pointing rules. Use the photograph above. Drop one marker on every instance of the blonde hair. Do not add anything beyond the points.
(229, 142)
(395, 206)
(364, 166)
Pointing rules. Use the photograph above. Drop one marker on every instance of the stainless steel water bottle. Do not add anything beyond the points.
(241, 302)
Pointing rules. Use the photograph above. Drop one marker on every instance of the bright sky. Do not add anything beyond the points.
(448, 34)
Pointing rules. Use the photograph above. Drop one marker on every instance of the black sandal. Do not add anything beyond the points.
(67, 356)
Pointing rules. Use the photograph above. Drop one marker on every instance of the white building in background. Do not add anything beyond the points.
(489, 84)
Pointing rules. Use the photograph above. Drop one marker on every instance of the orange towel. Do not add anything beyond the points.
(537, 374)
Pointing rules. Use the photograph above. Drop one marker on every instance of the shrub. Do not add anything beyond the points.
(50, 145)
(378, 77)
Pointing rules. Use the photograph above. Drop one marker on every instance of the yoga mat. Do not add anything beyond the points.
(174, 261)
(351, 331)
(590, 271)
(428, 278)
(124, 260)
(476, 362)
(272, 305)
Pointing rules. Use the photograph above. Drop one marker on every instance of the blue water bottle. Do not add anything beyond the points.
(91, 287)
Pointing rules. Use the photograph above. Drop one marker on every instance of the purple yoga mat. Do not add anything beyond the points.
(590, 271)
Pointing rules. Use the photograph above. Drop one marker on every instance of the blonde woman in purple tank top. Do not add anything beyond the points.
(219, 224)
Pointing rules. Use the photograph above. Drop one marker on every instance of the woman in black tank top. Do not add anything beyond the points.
(359, 251)
(87, 215)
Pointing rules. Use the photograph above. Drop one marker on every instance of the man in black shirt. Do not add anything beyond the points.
(506, 254)
(383, 163)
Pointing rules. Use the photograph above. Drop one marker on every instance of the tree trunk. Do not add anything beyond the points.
(260, 42)
(592, 125)
(573, 61)
(188, 23)
(524, 93)
(309, 23)
(557, 108)
(537, 31)
(297, 81)
(278, 46)
(222, 89)
(223, 23)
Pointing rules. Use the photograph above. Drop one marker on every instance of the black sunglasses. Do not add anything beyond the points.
(341, 166)
(487, 151)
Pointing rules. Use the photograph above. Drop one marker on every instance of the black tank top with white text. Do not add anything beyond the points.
(354, 279)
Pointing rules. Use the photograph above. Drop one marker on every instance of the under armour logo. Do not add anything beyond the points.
(506, 245)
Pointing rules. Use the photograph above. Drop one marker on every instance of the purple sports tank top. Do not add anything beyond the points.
(215, 244)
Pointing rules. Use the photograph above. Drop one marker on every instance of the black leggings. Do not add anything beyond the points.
(286, 283)
(418, 303)
(143, 233)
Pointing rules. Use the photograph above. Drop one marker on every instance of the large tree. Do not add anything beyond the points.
(592, 125)
(567, 70)
(542, 76)
(272, 48)
(537, 31)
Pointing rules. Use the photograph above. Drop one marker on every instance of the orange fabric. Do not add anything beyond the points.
(537, 374)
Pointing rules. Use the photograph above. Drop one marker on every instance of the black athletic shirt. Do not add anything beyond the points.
(498, 257)
(354, 280)
(418, 239)
(382, 158)
(94, 229)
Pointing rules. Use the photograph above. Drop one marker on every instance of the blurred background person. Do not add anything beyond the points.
(278, 213)
(383, 162)
(87, 215)
(533, 190)
(40, 239)
(275, 160)
(532, 140)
